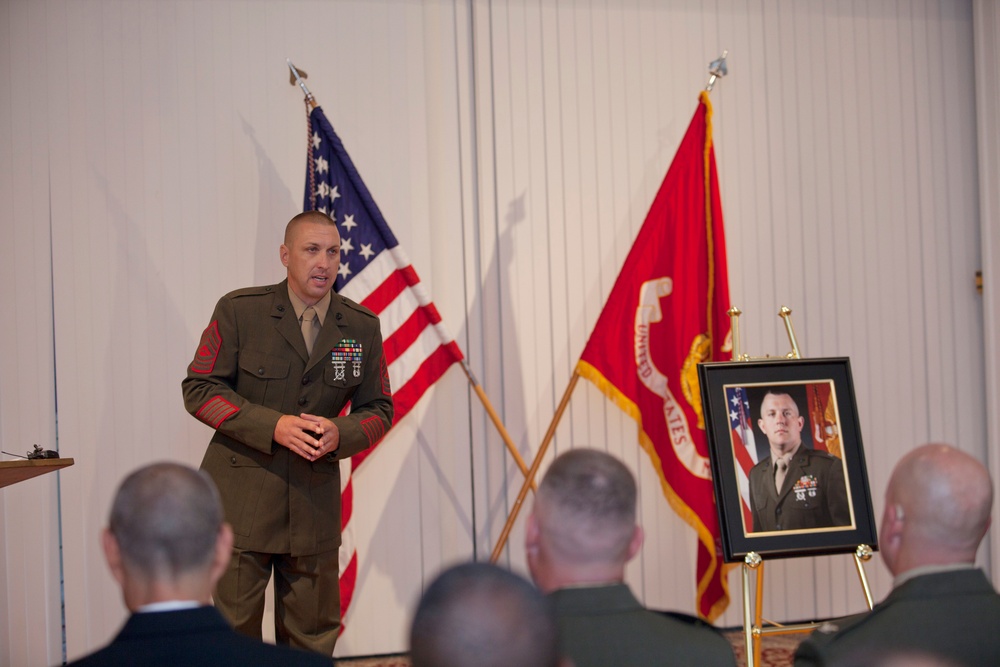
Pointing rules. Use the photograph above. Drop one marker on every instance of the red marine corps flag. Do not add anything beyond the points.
(667, 313)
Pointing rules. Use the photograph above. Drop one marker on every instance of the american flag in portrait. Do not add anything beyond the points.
(744, 446)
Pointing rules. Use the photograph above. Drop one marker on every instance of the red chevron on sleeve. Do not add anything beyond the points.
(208, 350)
(215, 411)
(374, 429)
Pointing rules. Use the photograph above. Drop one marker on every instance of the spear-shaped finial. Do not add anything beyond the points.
(296, 77)
(717, 68)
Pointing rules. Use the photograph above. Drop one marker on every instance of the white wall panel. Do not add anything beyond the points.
(29, 564)
(514, 146)
(987, 45)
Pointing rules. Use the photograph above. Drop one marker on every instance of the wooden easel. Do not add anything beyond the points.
(755, 626)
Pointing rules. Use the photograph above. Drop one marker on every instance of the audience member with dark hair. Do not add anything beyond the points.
(167, 545)
(937, 511)
(479, 614)
(581, 533)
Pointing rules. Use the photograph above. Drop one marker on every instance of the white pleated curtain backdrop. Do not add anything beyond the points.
(151, 152)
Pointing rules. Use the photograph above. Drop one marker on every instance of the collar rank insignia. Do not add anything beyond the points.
(347, 351)
(806, 486)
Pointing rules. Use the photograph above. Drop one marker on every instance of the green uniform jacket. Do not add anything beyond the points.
(601, 626)
(950, 614)
(251, 368)
(813, 495)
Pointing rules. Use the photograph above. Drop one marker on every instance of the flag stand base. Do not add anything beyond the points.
(755, 626)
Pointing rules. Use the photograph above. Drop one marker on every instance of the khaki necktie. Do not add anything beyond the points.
(310, 328)
(779, 476)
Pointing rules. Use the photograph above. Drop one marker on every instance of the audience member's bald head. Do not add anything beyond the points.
(937, 510)
(582, 529)
(166, 538)
(480, 614)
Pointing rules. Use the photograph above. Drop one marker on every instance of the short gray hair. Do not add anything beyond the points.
(166, 519)
(586, 508)
(591, 484)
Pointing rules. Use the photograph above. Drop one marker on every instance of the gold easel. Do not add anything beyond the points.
(753, 621)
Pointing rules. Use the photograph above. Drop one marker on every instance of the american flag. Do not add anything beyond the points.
(744, 447)
(375, 272)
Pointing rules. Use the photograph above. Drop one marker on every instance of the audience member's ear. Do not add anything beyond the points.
(986, 529)
(113, 554)
(635, 543)
(897, 517)
(891, 533)
(531, 532)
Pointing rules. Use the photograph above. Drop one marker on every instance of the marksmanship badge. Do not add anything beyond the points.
(347, 351)
(805, 486)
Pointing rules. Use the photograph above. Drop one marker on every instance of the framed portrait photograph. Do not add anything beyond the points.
(788, 465)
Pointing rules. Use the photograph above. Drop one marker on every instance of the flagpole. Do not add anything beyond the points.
(717, 69)
(296, 77)
(536, 464)
(495, 418)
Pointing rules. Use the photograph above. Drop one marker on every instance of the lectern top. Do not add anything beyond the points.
(12, 472)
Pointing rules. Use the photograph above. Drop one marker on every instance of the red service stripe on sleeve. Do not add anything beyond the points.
(374, 429)
(215, 411)
(208, 350)
(386, 389)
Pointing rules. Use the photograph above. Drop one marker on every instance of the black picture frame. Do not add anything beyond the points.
(811, 503)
